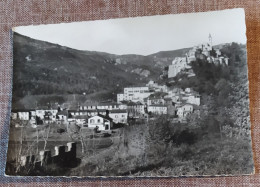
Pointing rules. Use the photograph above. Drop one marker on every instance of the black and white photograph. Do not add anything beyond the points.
(153, 96)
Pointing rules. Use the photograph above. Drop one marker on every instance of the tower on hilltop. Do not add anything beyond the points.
(210, 39)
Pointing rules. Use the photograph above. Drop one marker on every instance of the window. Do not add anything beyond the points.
(98, 120)
(123, 116)
(116, 116)
(92, 121)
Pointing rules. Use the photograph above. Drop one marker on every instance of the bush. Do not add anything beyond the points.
(107, 135)
(60, 131)
(184, 153)
(184, 137)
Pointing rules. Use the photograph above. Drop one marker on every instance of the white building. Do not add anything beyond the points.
(150, 83)
(23, 114)
(88, 113)
(101, 122)
(157, 109)
(41, 112)
(111, 106)
(223, 60)
(120, 97)
(193, 99)
(80, 120)
(103, 106)
(206, 48)
(156, 87)
(134, 94)
(187, 90)
(89, 106)
(14, 115)
(218, 52)
(184, 110)
(49, 117)
(211, 59)
(118, 116)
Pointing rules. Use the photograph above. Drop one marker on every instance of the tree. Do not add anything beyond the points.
(39, 121)
(159, 129)
(185, 137)
(45, 131)
(193, 120)
(223, 89)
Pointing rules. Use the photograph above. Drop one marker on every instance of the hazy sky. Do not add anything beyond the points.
(144, 35)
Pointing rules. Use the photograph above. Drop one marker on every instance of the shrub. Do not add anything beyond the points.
(184, 137)
(60, 131)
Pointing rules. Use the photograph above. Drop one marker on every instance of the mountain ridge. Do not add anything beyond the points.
(36, 60)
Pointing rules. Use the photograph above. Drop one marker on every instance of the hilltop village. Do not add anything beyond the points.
(203, 51)
(135, 103)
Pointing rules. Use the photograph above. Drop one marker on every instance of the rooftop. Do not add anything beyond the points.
(117, 111)
(63, 112)
(105, 117)
(131, 103)
(157, 105)
(81, 117)
(22, 110)
(95, 110)
(157, 95)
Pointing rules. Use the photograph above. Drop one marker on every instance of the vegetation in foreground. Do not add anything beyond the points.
(164, 149)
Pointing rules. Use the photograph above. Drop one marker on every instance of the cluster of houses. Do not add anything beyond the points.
(101, 116)
(203, 51)
(160, 100)
(134, 103)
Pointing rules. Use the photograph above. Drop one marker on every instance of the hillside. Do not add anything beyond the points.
(42, 68)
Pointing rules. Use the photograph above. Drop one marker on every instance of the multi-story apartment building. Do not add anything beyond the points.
(134, 94)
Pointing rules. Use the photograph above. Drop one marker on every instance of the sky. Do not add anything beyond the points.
(144, 35)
